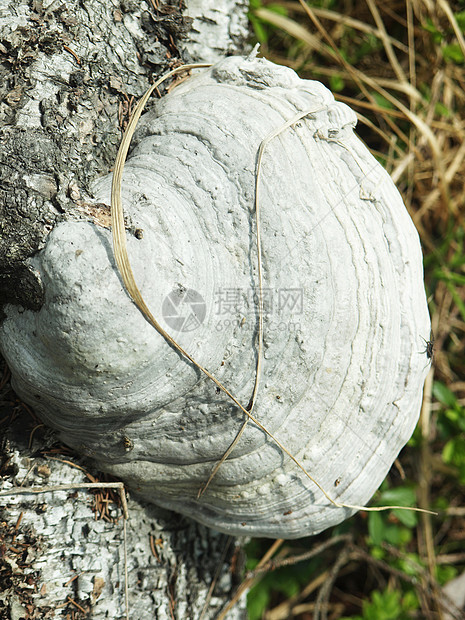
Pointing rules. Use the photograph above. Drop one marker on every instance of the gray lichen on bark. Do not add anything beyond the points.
(218, 29)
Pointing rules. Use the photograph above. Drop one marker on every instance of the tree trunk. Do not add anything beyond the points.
(69, 73)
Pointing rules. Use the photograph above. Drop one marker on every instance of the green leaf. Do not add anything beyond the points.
(410, 601)
(457, 299)
(462, 473)
(254, 551)
(448, 452)
(412, 567)
(336, 83)
(378, 553)
(375, 527)
(401, 496)
(442, 110)
(431, 28)
(407, 517)
(441, 503)
(277, 8)
(259, 29)
(416, 438)
(457, 417)
(453, 52)
(258, 599)
(286, 583)
(460, 19)
(453, 452)
(382, 101)
(445, 573)
(383, 606)
(397, 535)
(447, 276)
(444, 395)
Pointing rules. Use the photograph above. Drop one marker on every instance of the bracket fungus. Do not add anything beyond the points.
(342, 310)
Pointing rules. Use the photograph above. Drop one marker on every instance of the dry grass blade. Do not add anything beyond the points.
(411, 45)
(322, 600)
(360, 78)
(225, 456)
(345, 20)
(117, 216)
(427, 133)
(363, 80)
(386, 42)
(126, 576)
(424, 488)
(290, 561)
(288, 609)
(291, 27)
(124, 266)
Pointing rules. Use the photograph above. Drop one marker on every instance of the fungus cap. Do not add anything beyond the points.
(344, 310)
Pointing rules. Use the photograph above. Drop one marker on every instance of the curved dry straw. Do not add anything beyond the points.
(124, 266)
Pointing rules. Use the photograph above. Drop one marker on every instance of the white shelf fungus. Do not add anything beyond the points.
(343, 321)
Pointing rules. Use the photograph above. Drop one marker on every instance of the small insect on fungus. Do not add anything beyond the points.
(429, 347)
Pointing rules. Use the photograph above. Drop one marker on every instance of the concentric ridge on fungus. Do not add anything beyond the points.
(345, 310)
